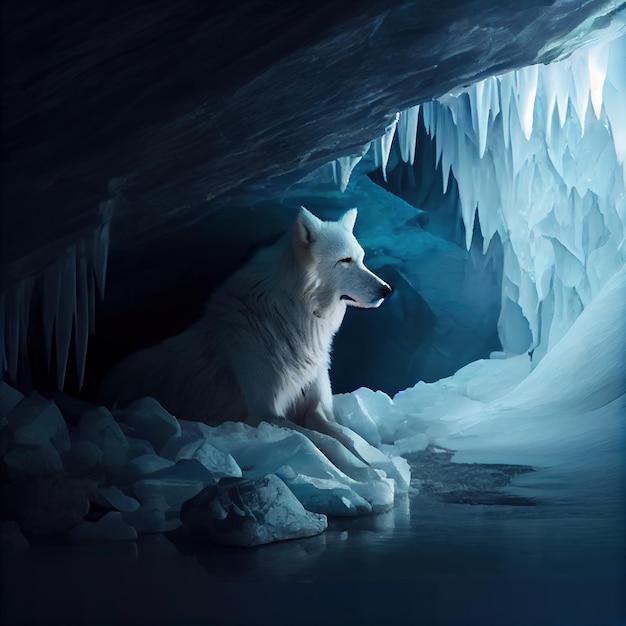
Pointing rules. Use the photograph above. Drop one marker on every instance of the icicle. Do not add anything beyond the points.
(101, 245)
(91, 288)
(26, 297)
(385, 144)
(597, 62)
(50, 284)
(427, 114)
(474, 93)
(336, 175)
(343, 169)
(528, 77)
(3, 352)
(507, 82)
(81, 335)
(549, 79)
(562, 84)
(580, 76)
(494, 104)
(483, 102)
(447, 138)
(439, 133)
(407, 133)
(464, 175)
(66, 312)
(614, 92)
(12, 328)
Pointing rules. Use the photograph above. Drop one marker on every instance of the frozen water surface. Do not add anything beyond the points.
(462, 551)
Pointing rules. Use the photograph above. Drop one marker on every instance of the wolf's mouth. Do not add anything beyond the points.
(345, 297)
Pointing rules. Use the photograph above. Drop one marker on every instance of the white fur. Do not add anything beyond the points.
(261, 351)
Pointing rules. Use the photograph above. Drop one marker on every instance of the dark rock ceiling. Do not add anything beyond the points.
(185, 102)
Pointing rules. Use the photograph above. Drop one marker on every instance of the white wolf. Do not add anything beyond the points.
(261, 351)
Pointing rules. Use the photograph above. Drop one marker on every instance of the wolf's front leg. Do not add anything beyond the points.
(314, 412)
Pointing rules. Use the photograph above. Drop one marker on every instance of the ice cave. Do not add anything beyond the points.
(475, 472)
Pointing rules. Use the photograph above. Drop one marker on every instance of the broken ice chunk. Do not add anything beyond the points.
(27, 461)
(250, 513)
(324, 495)
(378, 406)
(351, 413)
(153, 516)
(171, 449)
(142, 466)
(380, 461)
(412, 443)
(152, 422)
(100, 427)
(118, 499)
(269, 449)
(173, 492)
(137, 447)
(36, 420)
(219, 463)
(187, 470)
(83, 459)
(110, 527)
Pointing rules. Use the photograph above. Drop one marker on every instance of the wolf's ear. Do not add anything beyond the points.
(307, 226)
(347, 219)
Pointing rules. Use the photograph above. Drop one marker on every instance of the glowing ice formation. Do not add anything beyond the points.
(539, 157)
(544, 170)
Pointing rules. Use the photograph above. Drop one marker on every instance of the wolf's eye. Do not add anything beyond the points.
(346, 260)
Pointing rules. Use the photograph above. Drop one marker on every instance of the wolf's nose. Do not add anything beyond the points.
(386, 290)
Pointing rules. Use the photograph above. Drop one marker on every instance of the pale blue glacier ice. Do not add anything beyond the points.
(545, 171)
(539, 157)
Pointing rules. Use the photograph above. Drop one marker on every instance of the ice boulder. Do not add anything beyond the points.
(151, 421)
(31, 461)
(189, 446)
(250, 513)
(100, 427)
(35, 421)
(373, 407)
(138, 447)
(84, 460)
(110, 527)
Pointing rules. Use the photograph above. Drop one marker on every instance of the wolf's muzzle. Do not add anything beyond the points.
(385, 290)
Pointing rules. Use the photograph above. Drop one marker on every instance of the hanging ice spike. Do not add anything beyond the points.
(65, 292)
(521, 180)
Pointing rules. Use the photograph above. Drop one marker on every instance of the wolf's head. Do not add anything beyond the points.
(335, 261)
